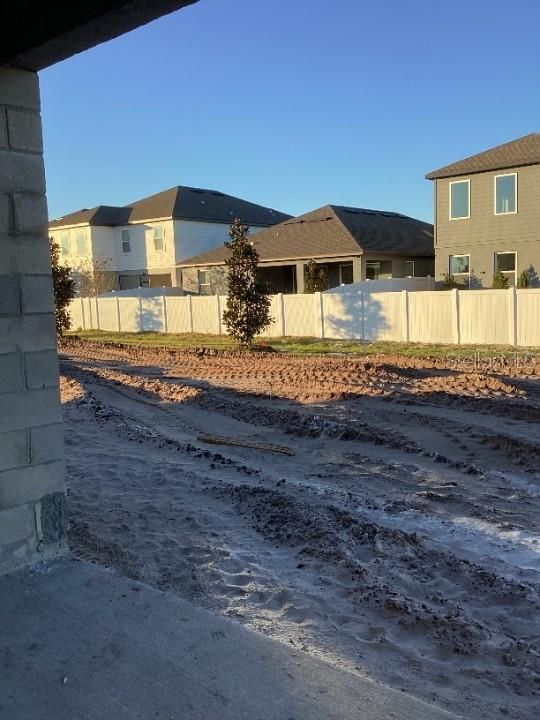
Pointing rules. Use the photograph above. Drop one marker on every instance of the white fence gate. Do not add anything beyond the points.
(499, 317)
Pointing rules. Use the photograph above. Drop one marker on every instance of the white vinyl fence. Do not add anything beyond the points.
(501, 317)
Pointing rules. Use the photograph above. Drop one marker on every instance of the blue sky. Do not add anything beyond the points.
(292, 103)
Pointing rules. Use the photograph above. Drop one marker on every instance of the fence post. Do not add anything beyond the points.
(282, 313)
(190, 311)
(319, 308)
(218, 303)
(405, 315)
(362, 310)
(456, 335)
(97, 312)
(118, 313)
(165, 320)
(141, 323)
(512, 316)
(83, 314)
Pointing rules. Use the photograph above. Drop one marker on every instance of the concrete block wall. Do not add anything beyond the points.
(33, 518)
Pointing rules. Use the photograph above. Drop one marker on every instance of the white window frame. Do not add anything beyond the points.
(506, 252)
(200, 284)
(162, 238)
(413, 268)
(510, 212)
(373, 263)
(124, 241)
(460, 274)
(348, 264)
(459, 182)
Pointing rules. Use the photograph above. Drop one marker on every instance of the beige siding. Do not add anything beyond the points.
(485, 233)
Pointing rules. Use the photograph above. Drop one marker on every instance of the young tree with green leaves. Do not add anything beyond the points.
(315, 278)
(247, 312)
(524, 280)
(500, 281)
(63, 287)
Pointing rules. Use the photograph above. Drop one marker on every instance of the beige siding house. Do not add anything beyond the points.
(487, 214)
(351, 243)
(140, 244)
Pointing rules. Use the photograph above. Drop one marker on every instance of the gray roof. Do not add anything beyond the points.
(523, 151)
(181, 203)
(334, 231)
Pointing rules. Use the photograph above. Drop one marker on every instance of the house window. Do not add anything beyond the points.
(126, 241)
(506, 194)
(373, 270)
(460, 199)
(345, 273)
(80, 242)
(159, 240)
(64, 243)
(460, 264)
(505, 262)
(409, 268)
(204, 282)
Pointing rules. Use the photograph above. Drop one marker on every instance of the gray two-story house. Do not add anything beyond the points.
(487, 214)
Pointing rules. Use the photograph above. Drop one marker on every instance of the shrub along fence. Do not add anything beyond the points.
(506, 317)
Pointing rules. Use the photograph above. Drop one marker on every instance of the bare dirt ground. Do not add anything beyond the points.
(401, 540)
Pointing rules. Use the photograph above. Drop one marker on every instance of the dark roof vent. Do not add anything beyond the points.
(197, 191)
(218, 194)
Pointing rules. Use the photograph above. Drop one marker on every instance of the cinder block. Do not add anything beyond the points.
(30, 409)
(29, 254)
(16, 524)
(30, 483)
(53, 517)
(11, 376)
(47, 443)
(24, 128)
(14, 449)
(3, 128)
(36, 293)
(21, 172)
(41, 369)
(9, 295)
(5, 217)
(19, 88)
(30, 213)
(28, 332)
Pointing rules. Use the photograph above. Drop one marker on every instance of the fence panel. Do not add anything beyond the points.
(528, 317)
(484, 316)
(178, 315)
(205, 314)
(383, 316)
(108, 315)
(343, 318)
(130, 320)
(302, 315)
(76, 314)
(152, 317)
(432, 317)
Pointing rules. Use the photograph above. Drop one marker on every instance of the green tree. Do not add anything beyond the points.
(448, 282)
(63, 287)
(247, 312)
(500, 281)
(524, 280)
(315, 278)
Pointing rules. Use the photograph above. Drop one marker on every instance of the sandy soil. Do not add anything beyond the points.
(401, 540)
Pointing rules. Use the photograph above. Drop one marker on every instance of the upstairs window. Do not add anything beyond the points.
(505, 262)
(460, 199)
(506, 194)
(204, 282)
(159, 238)
(64, 243)
(80, 242)
(126, 241)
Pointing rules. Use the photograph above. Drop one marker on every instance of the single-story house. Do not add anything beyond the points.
(352, 243)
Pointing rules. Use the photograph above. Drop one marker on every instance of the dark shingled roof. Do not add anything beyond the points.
(334, 231)
(523, 151)
(179, 203)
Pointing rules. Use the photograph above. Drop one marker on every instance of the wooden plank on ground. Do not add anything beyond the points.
(219, 440)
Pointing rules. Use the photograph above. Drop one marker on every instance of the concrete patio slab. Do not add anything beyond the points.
(77, 641)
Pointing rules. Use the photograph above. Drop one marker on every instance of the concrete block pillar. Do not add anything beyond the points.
(32, 498)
